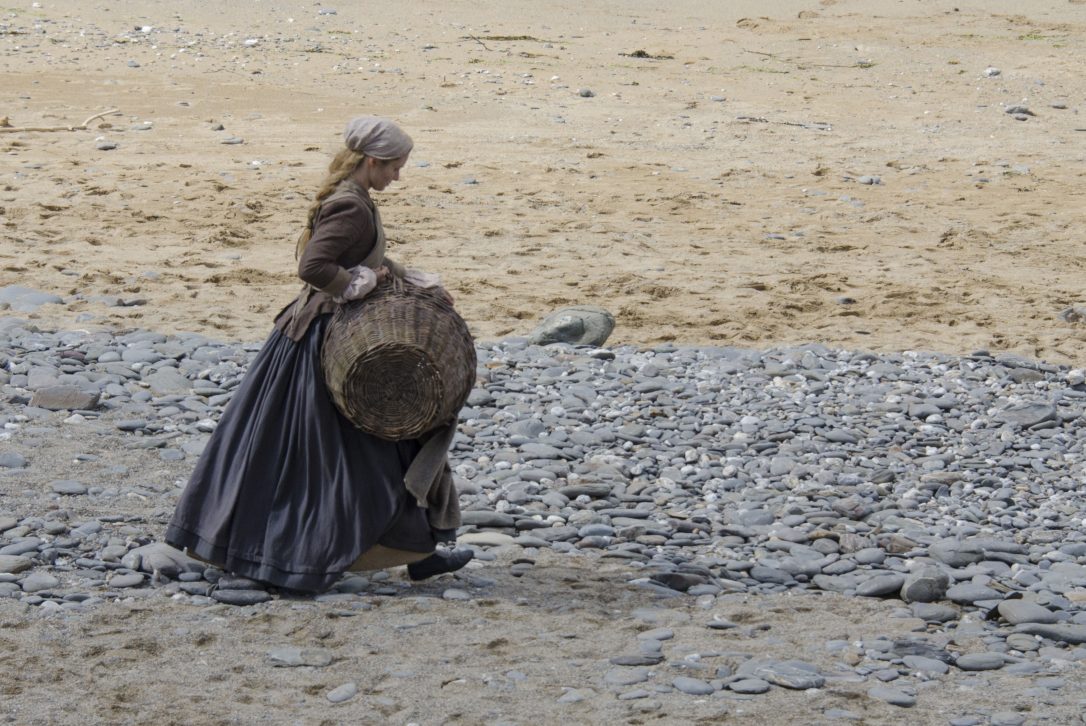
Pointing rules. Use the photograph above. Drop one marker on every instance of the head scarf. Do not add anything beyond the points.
(377, 137)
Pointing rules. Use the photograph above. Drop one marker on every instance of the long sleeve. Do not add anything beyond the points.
(342, 225)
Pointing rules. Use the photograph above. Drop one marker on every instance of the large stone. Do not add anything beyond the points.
(165, 381)
(1028, 414)
(25, 299)
(578, 325)
(925, 584)
(893, 696)
(11, 460)
(954, 553)
(61, 398)
(1017, 612)
(1063, 632)
(881, 585)
(987, 661)
(10, 564)
(786, 673)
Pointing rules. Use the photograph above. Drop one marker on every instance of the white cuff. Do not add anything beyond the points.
(363, 280)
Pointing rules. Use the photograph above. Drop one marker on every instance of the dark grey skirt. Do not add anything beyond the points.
(288, 491)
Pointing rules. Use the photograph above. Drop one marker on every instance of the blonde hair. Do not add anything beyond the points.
(343, 165)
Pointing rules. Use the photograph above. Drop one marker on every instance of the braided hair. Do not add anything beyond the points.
(343, 165)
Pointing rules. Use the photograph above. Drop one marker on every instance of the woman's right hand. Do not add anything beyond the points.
(363, 281)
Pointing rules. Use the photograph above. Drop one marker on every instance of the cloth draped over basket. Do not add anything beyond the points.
(399, 364)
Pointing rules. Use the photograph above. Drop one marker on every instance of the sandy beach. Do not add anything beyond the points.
(867, 175)
(710, 191)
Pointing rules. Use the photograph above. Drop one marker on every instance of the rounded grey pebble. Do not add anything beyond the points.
(133, 579)
(980, 661)
(751, 686)
(893, 696)
(68, 487)
(339, 694)
(241, 597)
(692, 686)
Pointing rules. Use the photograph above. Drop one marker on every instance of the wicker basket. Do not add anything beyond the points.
(399, 362)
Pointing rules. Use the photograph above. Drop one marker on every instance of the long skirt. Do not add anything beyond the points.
(287, 490)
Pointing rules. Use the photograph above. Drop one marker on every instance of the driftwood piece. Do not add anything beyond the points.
(80, 127)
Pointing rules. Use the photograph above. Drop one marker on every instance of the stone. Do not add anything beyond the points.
(1028, 415)
(13, 564)
(643, 659)
(968, 593)
(241, 597)
(955, 554)
(692, 686)
(486, 539)
(60, 398)
(342, 693)
(894, 696)
(987, 661)
(881, 585)
(26, 300)
(925, 584)
(12, 460)
(131, 579)
(934, 612)
(486, 518)
(1063, 632)
(752, 686)
(166, 381)
(922, 664)
(290, 656)
(68, 487)
(1017, 612)
(789, 674)
(579, 325)
(38, 582)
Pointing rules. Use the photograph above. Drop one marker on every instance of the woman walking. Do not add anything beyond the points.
(288, 491)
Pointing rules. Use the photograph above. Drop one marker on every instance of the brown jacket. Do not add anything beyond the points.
(346, 232)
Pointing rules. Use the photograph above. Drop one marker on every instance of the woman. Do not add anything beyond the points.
(288, 491)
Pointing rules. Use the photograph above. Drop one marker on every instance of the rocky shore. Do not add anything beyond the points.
(701, 488)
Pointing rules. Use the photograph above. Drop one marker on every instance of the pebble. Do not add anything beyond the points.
(342, 693)
(980, 661)
(68, 487)
(692, 686)
(290, 656)
(749, 686)
(38, 582)
(893, 696)
(240, 597)
(1017, 612)
(132, 579)
(12, 564)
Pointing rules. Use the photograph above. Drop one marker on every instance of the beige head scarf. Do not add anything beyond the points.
(377, 137)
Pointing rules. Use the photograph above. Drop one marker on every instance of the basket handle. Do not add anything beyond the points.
(397, 284)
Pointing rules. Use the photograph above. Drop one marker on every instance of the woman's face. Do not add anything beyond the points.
(383, 173)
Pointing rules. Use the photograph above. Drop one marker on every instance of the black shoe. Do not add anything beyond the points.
(439, 563)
